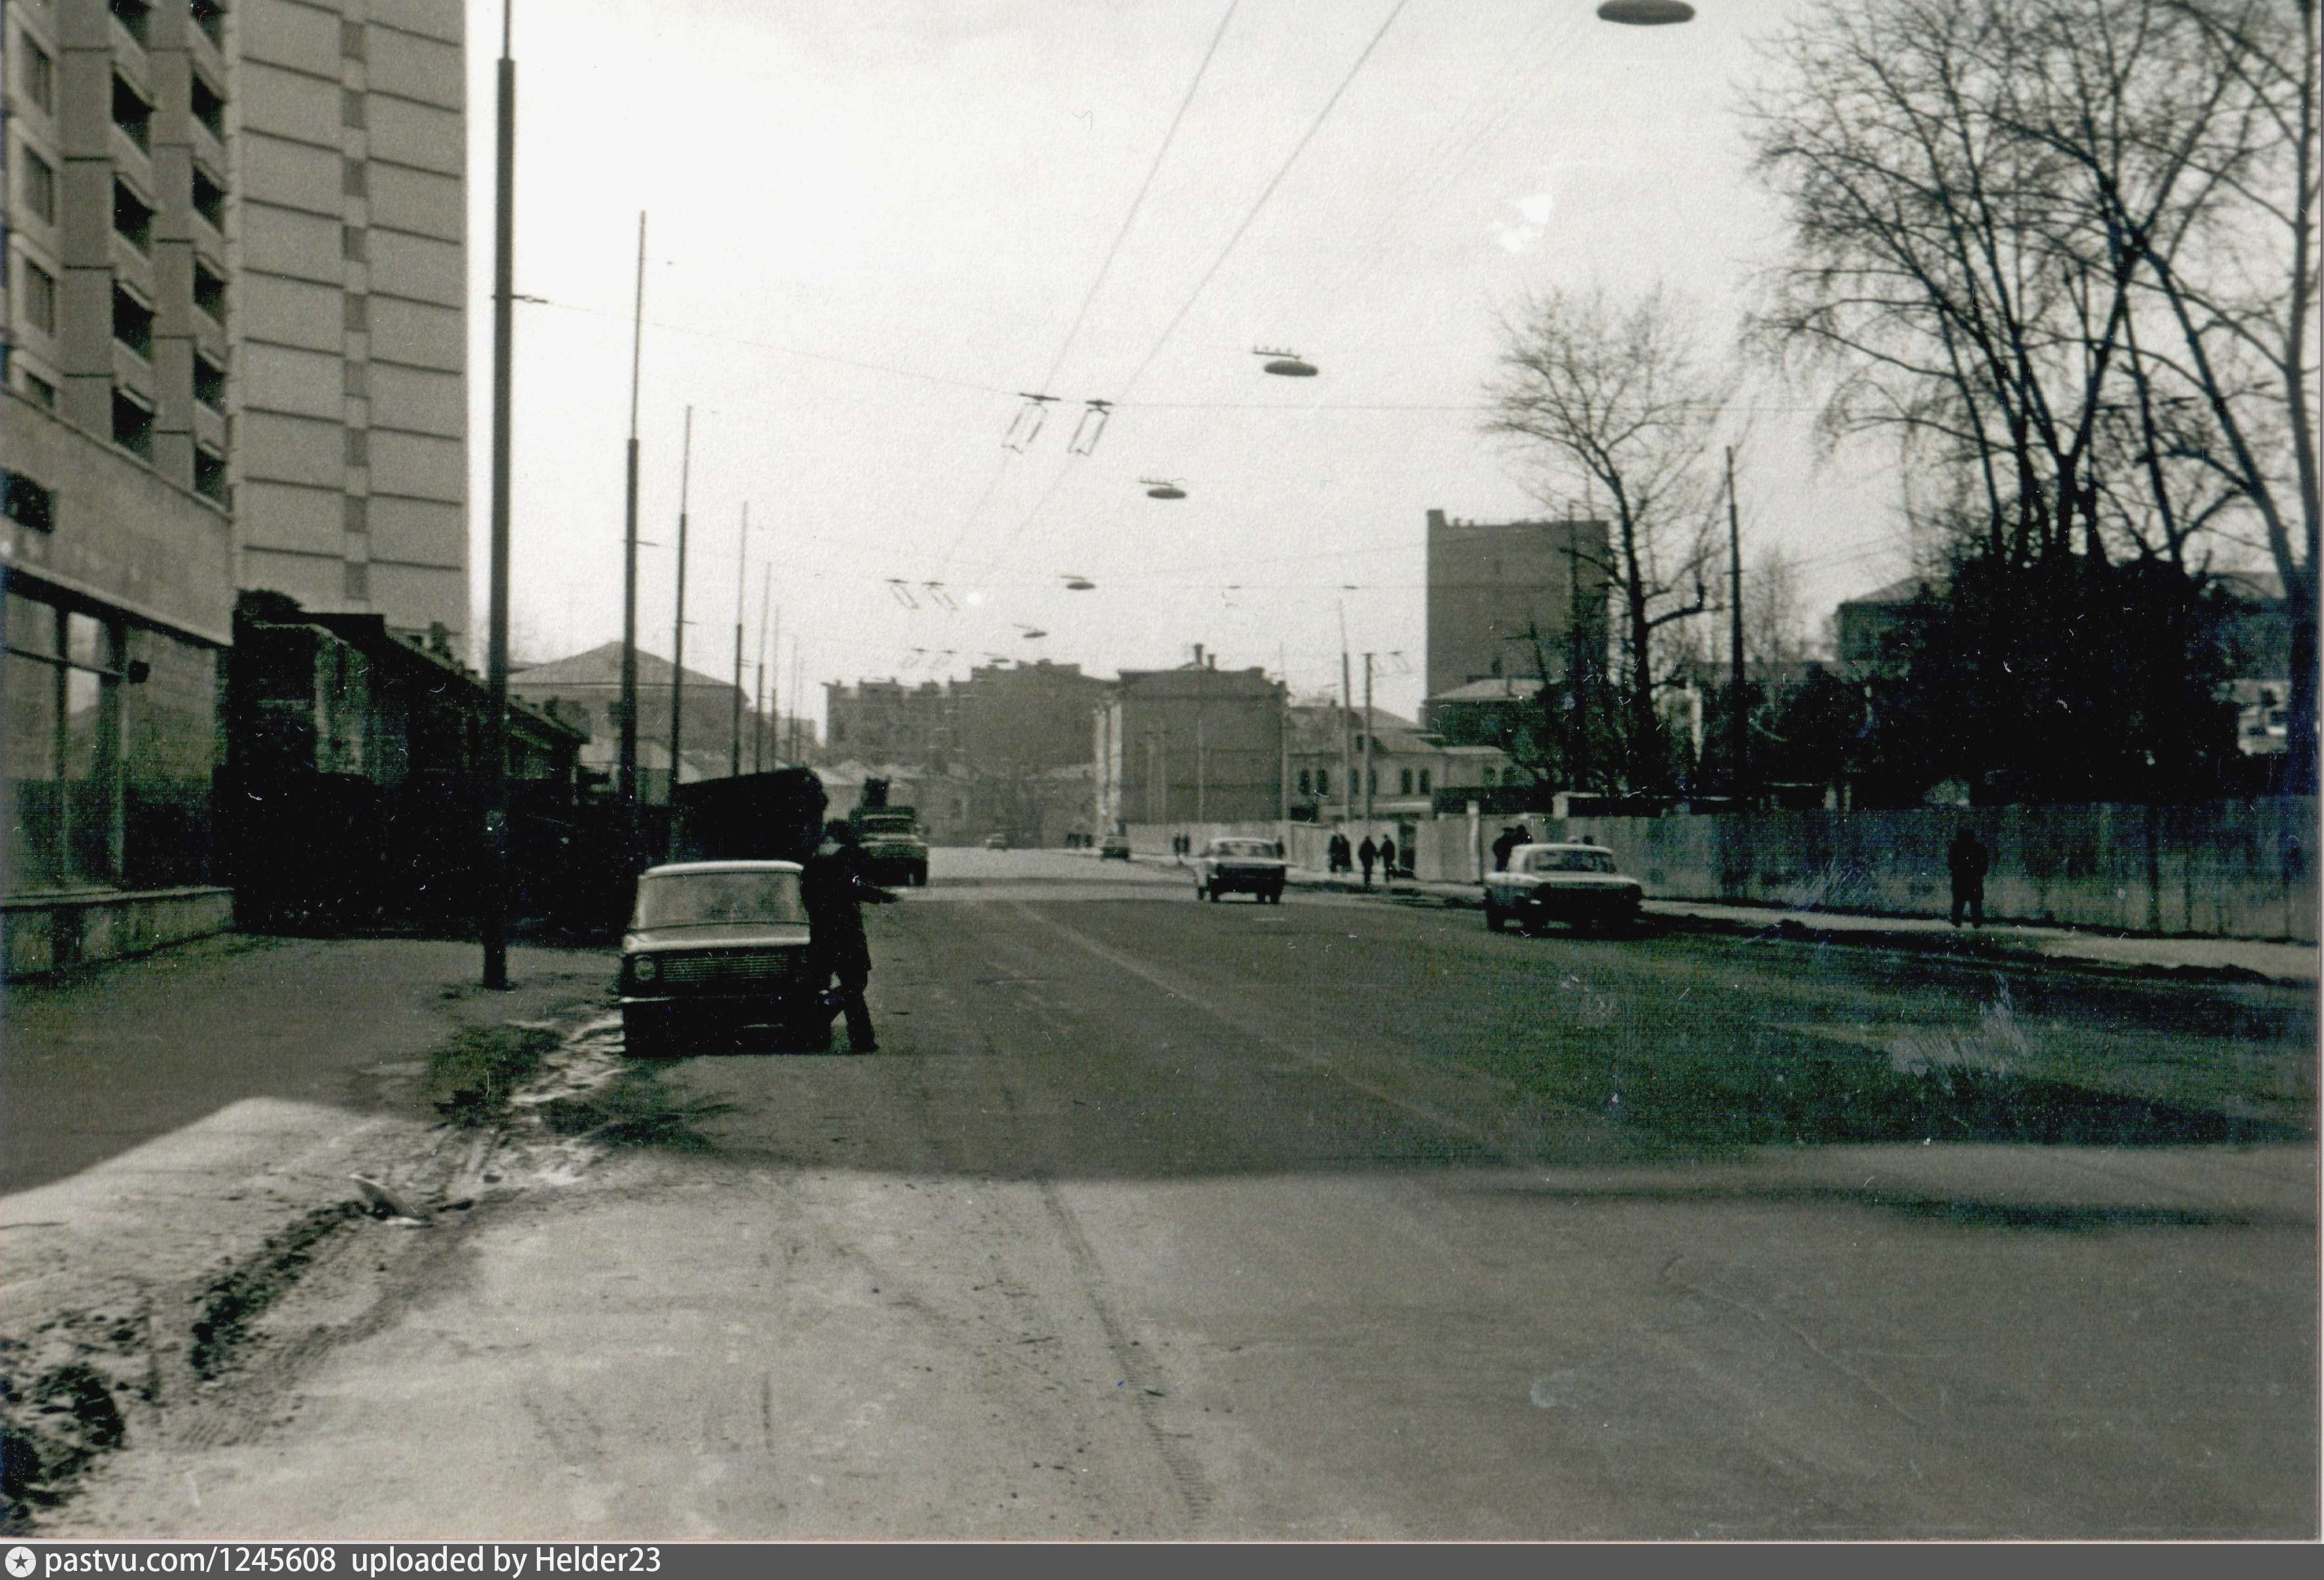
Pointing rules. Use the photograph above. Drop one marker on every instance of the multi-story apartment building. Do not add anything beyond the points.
(887, 721)
(350, 466)
(114, 452)
(1512, 598)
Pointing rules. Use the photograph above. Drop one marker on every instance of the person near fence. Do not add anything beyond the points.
(1388, 858)
(1965, 858)
(1514, 834)
(1368, 852)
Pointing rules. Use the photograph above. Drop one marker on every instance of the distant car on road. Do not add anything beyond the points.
(1240, 867)
(1573, 883)
(996, 842)
(722, 946)
(893, 849)
(1114, 848)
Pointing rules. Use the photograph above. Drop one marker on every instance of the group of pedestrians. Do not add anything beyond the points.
(1339, 856)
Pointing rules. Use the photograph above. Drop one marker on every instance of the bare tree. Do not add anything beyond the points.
(1610, 400)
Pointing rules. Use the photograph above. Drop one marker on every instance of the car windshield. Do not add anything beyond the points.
(719, 899)
(1242, 847)
(1572, 861)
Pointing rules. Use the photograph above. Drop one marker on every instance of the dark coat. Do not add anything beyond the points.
(1965, 858)
(834, 890)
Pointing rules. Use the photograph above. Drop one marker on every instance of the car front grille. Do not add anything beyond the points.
(733, 968)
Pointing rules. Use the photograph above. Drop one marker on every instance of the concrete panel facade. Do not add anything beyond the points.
(353, 326)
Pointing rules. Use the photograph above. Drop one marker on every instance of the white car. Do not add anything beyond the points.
(1246, 867)
(1572, 884)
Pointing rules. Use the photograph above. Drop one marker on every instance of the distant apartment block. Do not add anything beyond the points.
(1192, 744)
(1511, 598)
(348, 307)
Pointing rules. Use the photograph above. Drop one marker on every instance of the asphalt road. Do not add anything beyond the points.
(1345, 1218)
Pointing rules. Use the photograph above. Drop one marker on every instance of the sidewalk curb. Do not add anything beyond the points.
(1791, 927)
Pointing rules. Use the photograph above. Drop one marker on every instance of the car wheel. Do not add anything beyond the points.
(919, 877)
(1495, 919)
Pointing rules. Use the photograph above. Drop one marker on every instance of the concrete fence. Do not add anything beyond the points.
(2224, 869)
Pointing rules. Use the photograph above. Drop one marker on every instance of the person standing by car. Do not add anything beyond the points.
(1368, 852)
(833, 889)
(1511, 837)
(1965, 859)
(1388, 858)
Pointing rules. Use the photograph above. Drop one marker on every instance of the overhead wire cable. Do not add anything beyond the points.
(1104, 269)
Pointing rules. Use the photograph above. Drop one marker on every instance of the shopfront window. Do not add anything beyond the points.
(62, 779)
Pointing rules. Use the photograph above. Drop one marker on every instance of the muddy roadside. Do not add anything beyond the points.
(172, 1290)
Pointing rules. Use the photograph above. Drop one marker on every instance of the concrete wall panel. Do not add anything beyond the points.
(418, 134)
(297, 312)
(417, 334)
(410, 66)
(418, 266)
(302, 37)
(418, 201)
(418, 466)
(292, 449)
(291, 175)
(435, 19)
(418, 532)
(284, 240)
(304, 383)
(275, 516)
(418, 401)
(293, 105)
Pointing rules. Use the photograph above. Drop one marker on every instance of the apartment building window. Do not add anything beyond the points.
(355, 177)
(208, 106)
(132, 424)
(351, 39)
(29, 504)
(132, 15)
(132, 114)
(209, 382)
(38, 76)
(1304, 777)
(210, 198)
(356, 378)
(38, 186)
(210, 17)
(351, 243)
(358, 446)
(358, 312)
(1404, 782)
(1322, 781)
(210, 473)
(209, 291)
(133, 321)
(1424, 781)
(132, 217)
(38, 390)
(356, 582)
(351, 107)
(40, 297)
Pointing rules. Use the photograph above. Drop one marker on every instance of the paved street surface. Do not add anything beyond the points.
(1340, 1219)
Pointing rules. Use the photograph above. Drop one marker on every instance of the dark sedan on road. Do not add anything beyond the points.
(1572, 884)
(718, 947)
(1240, 867)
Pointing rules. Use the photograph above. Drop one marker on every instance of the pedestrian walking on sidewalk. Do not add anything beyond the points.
(835, 889)
(1965, 858)
(1388, 859)
(1368, 852)
(1335, 854)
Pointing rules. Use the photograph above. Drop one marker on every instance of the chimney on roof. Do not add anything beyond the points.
(1198, 655)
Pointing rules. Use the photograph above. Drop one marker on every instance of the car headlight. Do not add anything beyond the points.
(642, 968)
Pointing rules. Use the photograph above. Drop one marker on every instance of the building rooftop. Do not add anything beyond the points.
(602, 666)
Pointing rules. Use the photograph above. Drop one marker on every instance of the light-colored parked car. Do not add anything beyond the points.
(718, 946)
(1240, 867)
(1572, 884)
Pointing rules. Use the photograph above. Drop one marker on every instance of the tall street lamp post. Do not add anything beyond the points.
(494, 926)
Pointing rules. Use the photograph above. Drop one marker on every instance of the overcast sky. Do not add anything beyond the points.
(871, 223)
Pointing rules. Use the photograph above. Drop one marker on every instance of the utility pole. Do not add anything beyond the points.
(741, 575)
(1739, 723)
(1202, 771)
(678, 639)
(1347, 714)
(1367, 745)
(625, 783)
(494, 923)
(797, 697)
(758, 691)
